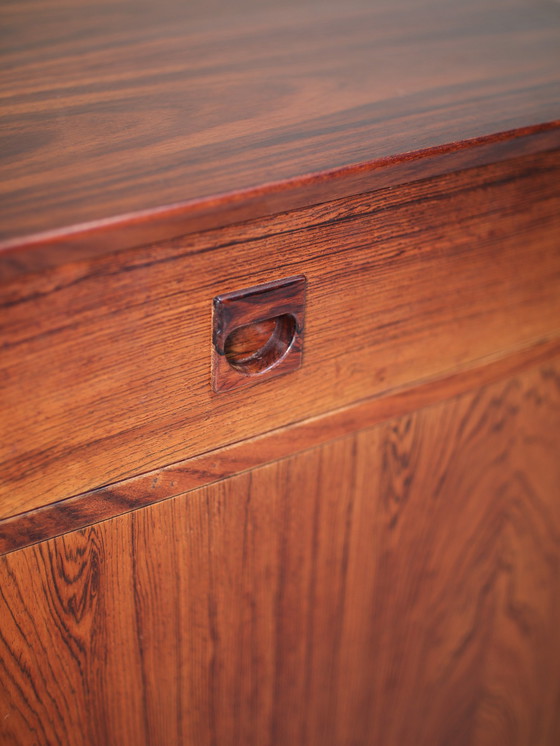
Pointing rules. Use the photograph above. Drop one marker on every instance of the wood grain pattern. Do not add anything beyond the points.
(43, 251)
(112, 357)
(406, 597)
(116, 499)
(130, 106)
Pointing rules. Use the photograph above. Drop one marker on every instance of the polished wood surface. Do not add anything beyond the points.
(41, 252)
(178, 478)
(397, 587)
(364, 552)
(117, 109)
(106, 365)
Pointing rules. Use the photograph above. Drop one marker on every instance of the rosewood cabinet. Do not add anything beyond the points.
(280, 374)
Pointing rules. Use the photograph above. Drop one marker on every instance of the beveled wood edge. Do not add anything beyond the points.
(38, 252)
(39, 524)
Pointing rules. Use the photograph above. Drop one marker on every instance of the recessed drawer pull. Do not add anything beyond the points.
(258, 333)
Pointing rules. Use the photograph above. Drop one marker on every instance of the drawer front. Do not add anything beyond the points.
(106, 364)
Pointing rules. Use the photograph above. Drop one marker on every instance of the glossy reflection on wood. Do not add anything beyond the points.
(398, 587)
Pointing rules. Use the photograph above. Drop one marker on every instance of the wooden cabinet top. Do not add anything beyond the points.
(126, 122)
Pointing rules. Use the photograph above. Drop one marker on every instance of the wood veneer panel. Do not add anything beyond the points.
(106, 364)
(395, 587)
(125, 107)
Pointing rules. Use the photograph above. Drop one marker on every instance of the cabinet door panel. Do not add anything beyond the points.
(397, 586)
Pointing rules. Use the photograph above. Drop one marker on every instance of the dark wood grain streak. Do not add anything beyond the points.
(128, 107)
(112, 357)
(112, 500)
(406, 597)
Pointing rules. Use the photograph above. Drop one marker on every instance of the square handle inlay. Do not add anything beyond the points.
(258, 333)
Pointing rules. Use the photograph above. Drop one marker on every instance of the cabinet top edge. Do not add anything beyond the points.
(130, 122)
(39, 252)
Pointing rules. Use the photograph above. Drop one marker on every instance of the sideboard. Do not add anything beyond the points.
(280, 373)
